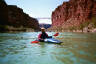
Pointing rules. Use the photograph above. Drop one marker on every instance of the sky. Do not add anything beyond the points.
(37, 8)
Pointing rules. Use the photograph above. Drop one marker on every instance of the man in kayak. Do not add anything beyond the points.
(43, 35)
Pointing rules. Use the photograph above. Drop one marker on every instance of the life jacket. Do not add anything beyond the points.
(43, 35)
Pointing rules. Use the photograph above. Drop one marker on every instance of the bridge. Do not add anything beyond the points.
(43, 18)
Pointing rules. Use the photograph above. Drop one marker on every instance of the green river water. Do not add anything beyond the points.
(77, 48)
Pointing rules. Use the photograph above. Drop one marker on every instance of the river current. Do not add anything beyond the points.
(77, 48)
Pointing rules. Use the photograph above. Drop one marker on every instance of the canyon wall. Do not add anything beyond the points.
(17, 18)
(74, 14)
(14, 17)
(3, 12)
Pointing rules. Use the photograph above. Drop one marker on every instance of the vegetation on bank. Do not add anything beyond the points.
(6, 28)
(3, 28)
(89, 23)
(85, 26)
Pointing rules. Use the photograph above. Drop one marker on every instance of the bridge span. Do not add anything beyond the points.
(43, 18)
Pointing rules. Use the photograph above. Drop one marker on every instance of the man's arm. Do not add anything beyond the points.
(39, 36)
(48, 36)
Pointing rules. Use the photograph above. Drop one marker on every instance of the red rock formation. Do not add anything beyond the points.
(73, 13)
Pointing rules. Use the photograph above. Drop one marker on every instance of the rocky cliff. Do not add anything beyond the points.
(13, 16)
(3, 12)
(75, 14)
(17, 18)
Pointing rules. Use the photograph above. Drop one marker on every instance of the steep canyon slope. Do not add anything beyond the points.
(12, 17)
(75, 15)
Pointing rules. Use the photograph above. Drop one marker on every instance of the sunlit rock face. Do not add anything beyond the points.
(73, 13)
(14, 16)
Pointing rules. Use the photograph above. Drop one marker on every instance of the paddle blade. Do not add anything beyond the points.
(35, 42)
(56, 34)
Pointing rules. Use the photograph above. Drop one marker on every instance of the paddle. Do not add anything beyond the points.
(35, 41)
(38, 41)
(56, 34)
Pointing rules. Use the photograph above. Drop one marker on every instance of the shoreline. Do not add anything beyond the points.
(19, 29)
(78, 31)
(24, 29)
(7, 28)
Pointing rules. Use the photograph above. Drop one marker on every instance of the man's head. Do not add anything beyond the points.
(43, 29)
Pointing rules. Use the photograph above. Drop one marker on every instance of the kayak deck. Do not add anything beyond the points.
(52, 40)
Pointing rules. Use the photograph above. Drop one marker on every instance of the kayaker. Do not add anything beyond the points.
(43, 35)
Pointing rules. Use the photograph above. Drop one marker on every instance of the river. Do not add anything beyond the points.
(77, 48)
